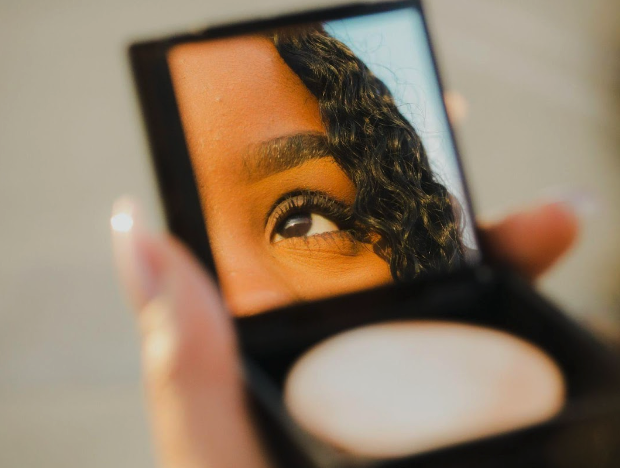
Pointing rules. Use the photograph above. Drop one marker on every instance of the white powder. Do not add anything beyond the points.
(400, 388)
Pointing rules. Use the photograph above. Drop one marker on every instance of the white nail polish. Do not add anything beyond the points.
(121, 222)
(583, 203)
(128, 234)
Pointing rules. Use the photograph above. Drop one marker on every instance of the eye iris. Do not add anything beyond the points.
(297, 225)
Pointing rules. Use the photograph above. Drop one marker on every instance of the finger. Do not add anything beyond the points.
(191, 366)
(456, 106)
(533, 240)
(134, 252)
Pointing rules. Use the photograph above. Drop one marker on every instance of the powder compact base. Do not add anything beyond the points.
(585, 428)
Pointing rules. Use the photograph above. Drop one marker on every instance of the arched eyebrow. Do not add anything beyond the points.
(283, 153)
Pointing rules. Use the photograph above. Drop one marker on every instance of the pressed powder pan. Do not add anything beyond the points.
(397, 388)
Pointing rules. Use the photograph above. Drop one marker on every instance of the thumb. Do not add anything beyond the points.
(533, 240)
(191, 365)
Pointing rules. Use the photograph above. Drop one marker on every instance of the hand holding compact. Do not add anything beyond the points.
(191, 364)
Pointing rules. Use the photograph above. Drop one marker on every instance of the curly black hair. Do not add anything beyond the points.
(398, 196)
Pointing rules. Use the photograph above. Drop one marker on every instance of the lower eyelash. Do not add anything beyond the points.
(342, 242)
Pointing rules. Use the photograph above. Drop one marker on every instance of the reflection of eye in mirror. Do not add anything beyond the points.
(305, 215)
(317, 160)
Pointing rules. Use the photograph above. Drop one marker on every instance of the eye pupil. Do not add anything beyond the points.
(297, 225)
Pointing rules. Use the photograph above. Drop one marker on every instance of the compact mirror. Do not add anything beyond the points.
(323, 158)
(307, 157)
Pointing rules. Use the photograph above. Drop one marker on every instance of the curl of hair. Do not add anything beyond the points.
(398, 196)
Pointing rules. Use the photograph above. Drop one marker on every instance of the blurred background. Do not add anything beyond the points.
(542, 79)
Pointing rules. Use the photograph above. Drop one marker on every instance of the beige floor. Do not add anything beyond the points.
(543, 81)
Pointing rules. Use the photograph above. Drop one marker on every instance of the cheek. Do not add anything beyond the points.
(335, 275)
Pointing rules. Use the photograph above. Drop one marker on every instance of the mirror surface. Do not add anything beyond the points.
(323, 158)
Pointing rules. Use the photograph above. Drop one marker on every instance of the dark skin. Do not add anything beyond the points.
(273, 197)
(190, 357)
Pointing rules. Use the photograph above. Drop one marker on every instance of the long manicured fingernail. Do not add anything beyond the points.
(135, 262)
(582, 203)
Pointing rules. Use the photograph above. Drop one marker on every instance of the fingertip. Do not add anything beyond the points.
(456, 106)
(560, 222)
(532, 241)
(135, 257)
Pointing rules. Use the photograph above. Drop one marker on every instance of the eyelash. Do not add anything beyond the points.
(311, 202)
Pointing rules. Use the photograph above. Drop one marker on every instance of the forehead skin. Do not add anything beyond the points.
(234, 91)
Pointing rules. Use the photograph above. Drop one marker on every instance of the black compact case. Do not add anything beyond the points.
(586, 433)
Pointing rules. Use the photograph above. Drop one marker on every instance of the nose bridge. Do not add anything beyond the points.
(252, 286)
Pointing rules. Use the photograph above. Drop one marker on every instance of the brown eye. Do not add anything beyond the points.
(303, 225)
(296, 225)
